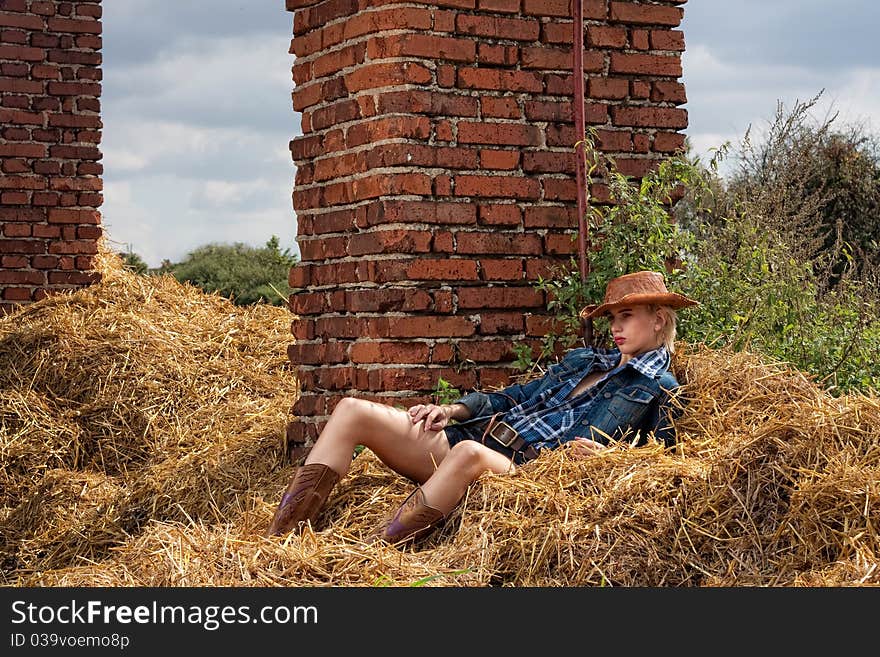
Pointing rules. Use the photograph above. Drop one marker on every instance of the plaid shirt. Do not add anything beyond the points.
(542, 421)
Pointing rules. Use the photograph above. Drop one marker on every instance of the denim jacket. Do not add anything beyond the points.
(625, 400)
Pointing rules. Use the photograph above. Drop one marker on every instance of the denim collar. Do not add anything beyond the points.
(650, 363)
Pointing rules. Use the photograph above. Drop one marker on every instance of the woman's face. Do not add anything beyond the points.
(636, 329)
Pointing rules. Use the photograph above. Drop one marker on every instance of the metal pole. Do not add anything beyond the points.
(577, 48)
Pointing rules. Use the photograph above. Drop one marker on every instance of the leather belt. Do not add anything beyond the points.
(506, 436)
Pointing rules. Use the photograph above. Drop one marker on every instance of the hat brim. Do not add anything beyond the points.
(669, 299)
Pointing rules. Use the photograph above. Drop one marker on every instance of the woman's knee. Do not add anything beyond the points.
(468, 454)
(348, 407)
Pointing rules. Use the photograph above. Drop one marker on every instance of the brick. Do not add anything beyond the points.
(430, 103)
(501, 108)
(18, 117)
(458, 213)
(500, 214)
(653, 117)
(667, 40)
(668, 91)
(497, 54)
(668, 142)
(14, 198)
(411, 378)
(390, 352)
(394, 127)
(22, 54)
(21, 247)
(639, 39)
(390, 241)
(68, 247)
(335, 61)
(498, 243)
(422, 45)
(501, 269)
(77, 278)
(441, 269)
(16, 230)
(556, 189)
(17, 294)
(551, 216)
(372, 76)
(318, 352)
(386, 300)
(498, 27)
(643, 14)
(22, 182)
(497, 186)
(74, 26)
(23, 21)
(501, 322)
(332, 115)
(500, 297)
(23, 150)
(546, 58)
(606, 36)
(497, 377)
(556, 244)
(418, 326)
(505, 160)
(482, 351)
(500, 80)
(504, 134)
(562, 8)
(608, 88)
(549, 162)
(13, 262)
(639, 64)
(68, 216)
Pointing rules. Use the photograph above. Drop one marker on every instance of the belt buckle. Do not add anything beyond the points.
(513, 434)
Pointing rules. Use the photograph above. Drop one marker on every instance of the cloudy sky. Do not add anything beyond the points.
(197, 112)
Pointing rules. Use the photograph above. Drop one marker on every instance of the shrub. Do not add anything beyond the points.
(754, 250)
(243, 273)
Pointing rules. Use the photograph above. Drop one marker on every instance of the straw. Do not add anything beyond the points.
(142, 441)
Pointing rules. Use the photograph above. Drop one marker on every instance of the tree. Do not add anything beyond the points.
(243, 273)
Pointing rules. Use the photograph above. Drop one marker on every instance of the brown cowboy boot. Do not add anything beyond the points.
(413, 517)
(305, 496)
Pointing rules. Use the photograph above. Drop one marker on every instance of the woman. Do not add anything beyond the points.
(589, 398)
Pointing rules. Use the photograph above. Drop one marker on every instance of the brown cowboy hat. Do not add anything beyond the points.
(637, 288)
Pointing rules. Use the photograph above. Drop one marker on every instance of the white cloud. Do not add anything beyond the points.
(196, 133)
(726, 97)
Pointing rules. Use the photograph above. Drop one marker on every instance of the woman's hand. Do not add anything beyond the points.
(435, 417)
(585, 447)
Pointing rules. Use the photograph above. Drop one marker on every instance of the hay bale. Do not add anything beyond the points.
(142, 423)
(181, 396)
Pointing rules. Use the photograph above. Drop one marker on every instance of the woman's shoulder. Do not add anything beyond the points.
(579, 355)
(668, 380)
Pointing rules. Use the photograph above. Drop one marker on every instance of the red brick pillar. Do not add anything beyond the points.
(50, 81)
(436, 178)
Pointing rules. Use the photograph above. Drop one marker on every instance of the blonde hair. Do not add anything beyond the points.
(668, 333)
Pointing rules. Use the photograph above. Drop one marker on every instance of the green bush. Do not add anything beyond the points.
(754, 250)
(242, 273)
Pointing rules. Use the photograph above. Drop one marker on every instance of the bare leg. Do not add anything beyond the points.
(386, 431)
(464, 463)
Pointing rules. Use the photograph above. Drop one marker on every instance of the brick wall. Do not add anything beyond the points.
(436, 178)
(50, 188)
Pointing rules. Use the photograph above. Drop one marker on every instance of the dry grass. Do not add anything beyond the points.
(141, 435)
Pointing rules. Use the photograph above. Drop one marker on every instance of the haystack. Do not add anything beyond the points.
(141, 432)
